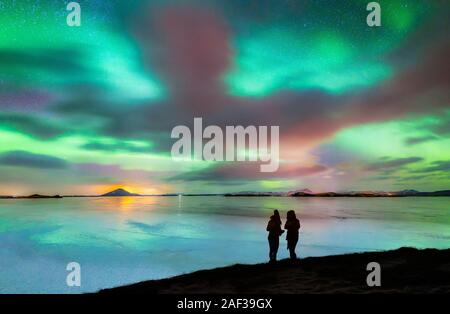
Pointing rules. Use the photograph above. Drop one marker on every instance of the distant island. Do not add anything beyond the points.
(309, 193)
(34, 196)
(120, 192)
(297, 193)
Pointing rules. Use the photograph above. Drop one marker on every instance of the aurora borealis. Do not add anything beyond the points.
(90, 108)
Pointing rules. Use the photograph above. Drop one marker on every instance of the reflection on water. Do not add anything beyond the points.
(128, 239)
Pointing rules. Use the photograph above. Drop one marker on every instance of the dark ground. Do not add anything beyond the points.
(405, 270)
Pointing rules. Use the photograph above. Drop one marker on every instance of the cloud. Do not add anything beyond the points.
(437, 128)
(422, 88)
(191, 48)
(116, 171)
(442, 128)
(24, 99)
(192, 71)
(30, 160)
(115, 147)
(388, 164)
(419, 139)
(55, 61)
(247, 171)
(441, 165)
(31, 125)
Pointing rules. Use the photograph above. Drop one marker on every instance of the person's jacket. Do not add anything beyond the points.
(274, 227)
(292, 227)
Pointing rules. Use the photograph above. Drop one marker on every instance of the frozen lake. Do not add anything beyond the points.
(124, 240)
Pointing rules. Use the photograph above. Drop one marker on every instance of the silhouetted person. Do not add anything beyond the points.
(292, 226)
(275, 231)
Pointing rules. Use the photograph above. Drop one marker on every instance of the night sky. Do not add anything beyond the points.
(87, 109)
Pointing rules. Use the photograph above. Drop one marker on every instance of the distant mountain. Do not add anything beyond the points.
(203, 194)
(309, 193)
(435, 193)
(40, 196)
(407, 192)
(402, 193)
(250, 193)
(296, 193)
(120, 192)
(302, 192)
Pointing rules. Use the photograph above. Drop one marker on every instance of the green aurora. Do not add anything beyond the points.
(85, 109)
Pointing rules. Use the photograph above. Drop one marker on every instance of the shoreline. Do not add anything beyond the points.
(404, 270)
(215, 195)
(302, 193)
